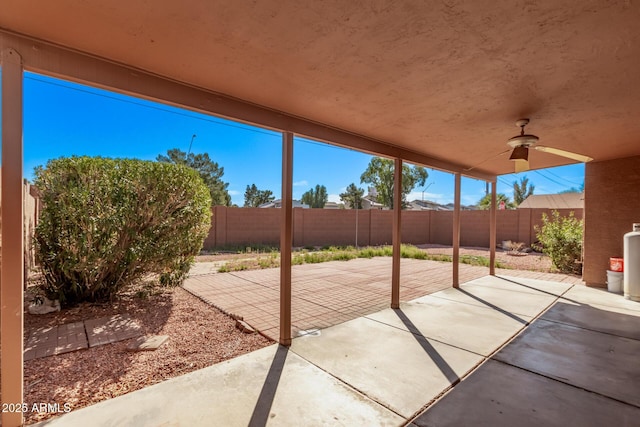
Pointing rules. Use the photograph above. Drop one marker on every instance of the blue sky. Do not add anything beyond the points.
(64, 119)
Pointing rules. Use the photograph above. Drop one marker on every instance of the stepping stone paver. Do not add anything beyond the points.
(48, 341)
(107, 330)
(148, 343)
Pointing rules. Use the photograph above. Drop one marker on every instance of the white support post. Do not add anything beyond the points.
(12, 276)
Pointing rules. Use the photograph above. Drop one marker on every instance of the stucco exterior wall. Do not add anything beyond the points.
(612, 205)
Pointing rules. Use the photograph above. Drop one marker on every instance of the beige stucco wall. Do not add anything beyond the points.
(612, 205)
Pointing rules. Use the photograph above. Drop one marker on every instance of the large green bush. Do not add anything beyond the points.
(106, 223)
(561, 239)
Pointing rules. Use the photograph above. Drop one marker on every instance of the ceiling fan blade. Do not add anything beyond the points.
(567, 154)
(521, 165)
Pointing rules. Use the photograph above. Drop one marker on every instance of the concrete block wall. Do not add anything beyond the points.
(416, 227)
(381, 227)
(611, 206)
(441, 226)
(320, 227)
(474, 228)
(237, 226)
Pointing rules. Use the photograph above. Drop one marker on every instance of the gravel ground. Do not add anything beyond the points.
(199, 336)
(533, 261)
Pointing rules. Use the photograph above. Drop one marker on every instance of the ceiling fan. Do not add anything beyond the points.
(521, 144)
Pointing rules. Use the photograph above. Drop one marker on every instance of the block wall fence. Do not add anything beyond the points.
(31, 207)
(320, 227)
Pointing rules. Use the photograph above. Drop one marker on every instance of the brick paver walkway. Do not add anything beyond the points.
(60, 339)
(334, 292)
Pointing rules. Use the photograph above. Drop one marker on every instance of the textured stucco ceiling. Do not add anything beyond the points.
(447, 78)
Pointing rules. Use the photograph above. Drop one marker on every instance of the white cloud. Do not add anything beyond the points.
(470, 200)
(234, 192)
(334, 198)
(302, 183)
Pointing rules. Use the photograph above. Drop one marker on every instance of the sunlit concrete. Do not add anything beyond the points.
(513, 301)
(477, 329)
(523, 284)
(584, 295)
(270, 386)
(398, 369)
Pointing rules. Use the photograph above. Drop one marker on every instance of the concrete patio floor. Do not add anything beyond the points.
(438, 360)
(330, 293)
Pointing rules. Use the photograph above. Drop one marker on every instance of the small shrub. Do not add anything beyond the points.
(561, 239)
(268, 262)
(343, 256)
(410, 251)
(242, 248)
(440, 257)
(106, 223)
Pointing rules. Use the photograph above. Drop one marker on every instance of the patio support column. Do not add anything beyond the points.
(12, 276)
(396, 235)
(456, 232)
(492, 231)
(286, 238)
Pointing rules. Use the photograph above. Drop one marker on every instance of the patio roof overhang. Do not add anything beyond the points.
(436, 84)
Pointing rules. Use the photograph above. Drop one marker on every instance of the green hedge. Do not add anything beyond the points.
(106, 223)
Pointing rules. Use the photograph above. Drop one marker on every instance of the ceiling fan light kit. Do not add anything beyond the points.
(520, 153)
(521, 143)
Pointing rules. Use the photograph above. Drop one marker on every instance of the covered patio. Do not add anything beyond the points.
(446, 359)
(331, 293)
(438, 85)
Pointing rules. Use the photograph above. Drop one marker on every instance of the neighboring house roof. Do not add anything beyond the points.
(422, 205)
(425, 205)
(367, 203)
(278, 204)
(331, 205)
(554, 201)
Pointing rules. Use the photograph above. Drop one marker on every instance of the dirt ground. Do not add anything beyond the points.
(533, 261)
(199, 336)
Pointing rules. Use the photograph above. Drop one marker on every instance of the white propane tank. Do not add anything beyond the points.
(631, 279)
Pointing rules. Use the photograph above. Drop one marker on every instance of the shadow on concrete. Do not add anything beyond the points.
(262, 409)
(536, 289)
(442, 364)
(575, 365)
(495, 307)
